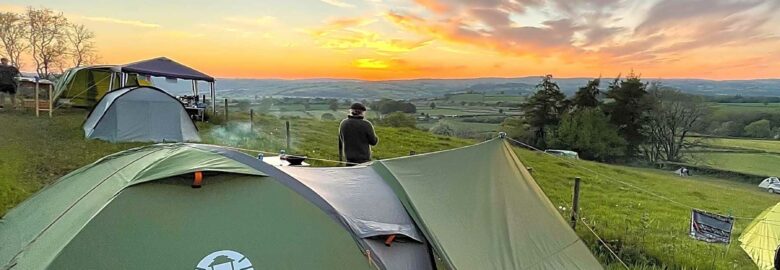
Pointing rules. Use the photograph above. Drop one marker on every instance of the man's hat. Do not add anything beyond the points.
(358, 107)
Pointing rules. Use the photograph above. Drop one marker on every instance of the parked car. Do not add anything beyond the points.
(771, 184)
(568, 154)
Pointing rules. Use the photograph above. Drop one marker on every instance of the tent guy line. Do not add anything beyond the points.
(622, 182)
(276, 153)
(582, 220)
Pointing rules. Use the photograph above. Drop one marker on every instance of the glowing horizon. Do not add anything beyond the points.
(411, 39)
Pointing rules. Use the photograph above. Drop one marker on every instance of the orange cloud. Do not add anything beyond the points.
(433, 5)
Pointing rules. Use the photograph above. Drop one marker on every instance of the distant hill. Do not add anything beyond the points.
(427, 88)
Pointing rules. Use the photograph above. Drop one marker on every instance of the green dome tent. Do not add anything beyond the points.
(137, 209)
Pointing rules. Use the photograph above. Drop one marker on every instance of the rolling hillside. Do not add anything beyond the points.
(428, 88)
(643, 225)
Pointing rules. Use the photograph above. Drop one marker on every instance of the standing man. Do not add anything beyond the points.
(7, 82)
(356, 136)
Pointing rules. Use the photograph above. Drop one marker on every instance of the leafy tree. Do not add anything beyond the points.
(588, 95)
(517, 128)
(328, 117)
(244, 105)
(399, 119)
(385, 106)
(628, 110)
(543, 110)
(759, 129)
(589, 132)
(333, 105)
(501, 111)
(433, 105)
(443, 128)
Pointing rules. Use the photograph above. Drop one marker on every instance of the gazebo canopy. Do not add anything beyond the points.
(164, 67)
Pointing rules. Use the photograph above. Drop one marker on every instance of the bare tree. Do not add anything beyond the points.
(672, 117)
(12, 34)
(47, 38)
(81, 44)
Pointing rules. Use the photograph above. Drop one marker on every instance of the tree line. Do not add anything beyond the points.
(48, 38)
(632, 120)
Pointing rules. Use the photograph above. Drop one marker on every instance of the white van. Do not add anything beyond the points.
(771, 184)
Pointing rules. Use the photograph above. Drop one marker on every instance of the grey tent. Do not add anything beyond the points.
(140, 114)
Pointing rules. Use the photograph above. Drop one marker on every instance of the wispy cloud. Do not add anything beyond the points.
(252, 21)
(339, 3)
(370, 63)
(121, 21)
(346, 34)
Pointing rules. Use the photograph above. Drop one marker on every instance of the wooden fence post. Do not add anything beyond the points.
(251, 119)
(575, 203)
(226, 110)
(287, 128)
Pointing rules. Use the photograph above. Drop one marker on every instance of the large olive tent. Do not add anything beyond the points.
(761, 238)
(84, 86)
(137, 209)
(140, 114)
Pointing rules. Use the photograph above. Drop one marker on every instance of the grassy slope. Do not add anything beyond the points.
(35, 151)
(645, 228)
(615, 211)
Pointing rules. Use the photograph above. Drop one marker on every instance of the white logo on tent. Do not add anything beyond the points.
(224, 260)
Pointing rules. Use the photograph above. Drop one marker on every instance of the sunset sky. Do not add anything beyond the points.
(394, 39)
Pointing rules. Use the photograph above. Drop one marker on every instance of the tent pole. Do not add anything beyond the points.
(51, 100)
(213, 99)
(37, 104)
(111, 83)
(195, 87)
(121, 79)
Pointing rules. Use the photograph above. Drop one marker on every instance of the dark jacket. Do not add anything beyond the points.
(7, 74)
(356, 136)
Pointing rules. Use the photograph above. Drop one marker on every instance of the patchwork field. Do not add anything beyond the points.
(751, 156)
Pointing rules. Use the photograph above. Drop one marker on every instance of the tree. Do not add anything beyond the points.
(672, 116)
(333, 105)
(82, 45)
(628, 110)
(385, 106)
(433, 105)
(244, 105)
(47, 38)
(517, 128)
(588, 95)
(589, 132)
(327, 117)
(399, 119)
(443, 128)
(12, 37)
(759, 129)
(543, 110)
